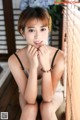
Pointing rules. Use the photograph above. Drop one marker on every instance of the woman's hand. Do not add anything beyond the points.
(43, 56)
(32, 54)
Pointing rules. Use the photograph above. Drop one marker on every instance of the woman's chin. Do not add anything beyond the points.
(38, 45)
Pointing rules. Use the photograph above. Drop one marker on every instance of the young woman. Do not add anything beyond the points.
(38, 67)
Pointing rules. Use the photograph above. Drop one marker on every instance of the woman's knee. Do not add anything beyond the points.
(46, 107)
(31, 107)
(47, 111)
(29, 112)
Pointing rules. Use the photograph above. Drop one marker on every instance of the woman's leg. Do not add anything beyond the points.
(29, 112)
(48, 109)
(22, 101)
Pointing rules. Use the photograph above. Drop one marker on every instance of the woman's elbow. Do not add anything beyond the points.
(48, 98)
(29, 99)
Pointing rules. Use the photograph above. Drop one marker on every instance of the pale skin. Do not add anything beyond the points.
(34, 57)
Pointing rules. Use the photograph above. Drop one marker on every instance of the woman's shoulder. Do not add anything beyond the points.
(53, 50)
(58, 54)
(13, 60)
(60, 60)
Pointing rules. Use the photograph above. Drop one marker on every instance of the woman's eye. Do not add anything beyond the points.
(31, 30)
(43, 29)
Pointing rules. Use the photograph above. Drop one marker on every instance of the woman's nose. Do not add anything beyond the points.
(36, 34)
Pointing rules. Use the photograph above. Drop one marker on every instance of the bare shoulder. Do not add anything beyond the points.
(12, 61)
(59, 58)
(61, 55)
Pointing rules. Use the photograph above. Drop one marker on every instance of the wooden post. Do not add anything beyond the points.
(9, 25)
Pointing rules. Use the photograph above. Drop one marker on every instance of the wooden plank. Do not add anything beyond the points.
(4, 86)
(7, 95)
(9, 99)
(9, 26)
(18, 115)
(4, 57)
(13, 107)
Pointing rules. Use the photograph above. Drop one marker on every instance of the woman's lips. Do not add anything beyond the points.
(37, 42)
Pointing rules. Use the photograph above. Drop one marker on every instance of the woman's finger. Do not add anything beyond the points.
(29, 47)
(34, 51)
(43, 49)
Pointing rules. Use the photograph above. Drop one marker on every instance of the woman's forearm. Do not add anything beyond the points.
(31, 87)
(47, 88)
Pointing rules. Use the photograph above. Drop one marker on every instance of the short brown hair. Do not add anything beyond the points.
(30, 14)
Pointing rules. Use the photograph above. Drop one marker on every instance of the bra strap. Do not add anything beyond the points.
(54, 58)
(19, 60)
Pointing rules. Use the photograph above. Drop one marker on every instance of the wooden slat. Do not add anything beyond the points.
(13, 108)
(7, 95)
(4, 86)
(18, 115)
(9, 25)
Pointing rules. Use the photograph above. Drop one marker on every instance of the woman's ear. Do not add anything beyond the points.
(22, 33)
(23, 36)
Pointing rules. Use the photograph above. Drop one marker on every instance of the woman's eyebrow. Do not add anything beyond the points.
(44, 26)
(40, 26)
(30, 27)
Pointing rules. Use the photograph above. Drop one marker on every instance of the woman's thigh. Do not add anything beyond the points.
(48, 109)
(57, 100)
(22, 101)
(29, 112)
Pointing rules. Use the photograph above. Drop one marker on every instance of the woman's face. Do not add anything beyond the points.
(36, 33)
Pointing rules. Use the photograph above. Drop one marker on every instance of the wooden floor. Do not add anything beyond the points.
(9, 100)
